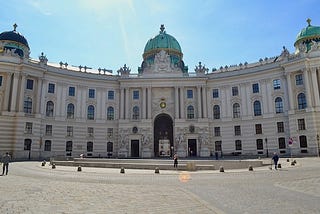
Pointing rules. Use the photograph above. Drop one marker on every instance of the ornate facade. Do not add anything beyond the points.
(254, 109)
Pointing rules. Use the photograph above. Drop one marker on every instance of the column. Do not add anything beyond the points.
(182, 116)
(98, 104)
(270, 102)
(204, 101)
(43, 95)
(21, 94)
(103, 105)
(315, 86)
(84, 106)
(149, 102)
(244, 103)
(14, 91)
(289, 88)
(176, 102)
(39, 96)
(210, 106)
(78, 104)
(63, 109)
(59, 99)
(121, 104)
(223, 107)
(199, 101)
(249, 106)
(144, 99)
(6, 103)
(127, 106)
(307, 87)
(264, 96)
(228, 109)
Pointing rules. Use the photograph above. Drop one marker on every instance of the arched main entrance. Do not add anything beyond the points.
(163, 136)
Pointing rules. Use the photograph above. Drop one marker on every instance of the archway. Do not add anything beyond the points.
(163, 136)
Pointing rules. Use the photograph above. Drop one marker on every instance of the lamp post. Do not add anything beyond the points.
(318, 138)
(266, 140)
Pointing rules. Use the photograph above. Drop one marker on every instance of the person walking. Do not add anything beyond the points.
(275, 159)
(175, 161)
(5, 161)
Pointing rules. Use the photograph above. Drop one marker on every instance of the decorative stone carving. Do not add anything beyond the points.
(315, 46)
(302, 48)
(162, 61)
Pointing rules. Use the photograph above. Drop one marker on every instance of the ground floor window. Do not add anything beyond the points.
(27, 144)
(259, 144)
(238, 145)
(47, 145)
(303, 141)
(217, 146)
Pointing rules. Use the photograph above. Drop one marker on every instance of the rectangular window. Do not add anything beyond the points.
(51, 87)
(135, 95)
(255, 88)
(280, 126)
(276, 84)
(49, 130)
(0, 80)
(110, 95)
(28, 128)
(190, 94)
(110, 132)
(301, 124)
(237, 130)
(90, 131)
(72, 91)
(258, 129)
(47, 145)
(217, 131)
(299, 79)
(259, 144)
(217, 146)
(282, 143)
(30, 84)
(238, 145)
(69, 131)
(91, 93)
(235, 91)
(215, 93)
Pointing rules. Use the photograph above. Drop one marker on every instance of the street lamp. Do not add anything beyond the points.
(266, 140)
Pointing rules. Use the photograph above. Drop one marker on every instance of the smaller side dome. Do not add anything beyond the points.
(308, 35)
(14, 40)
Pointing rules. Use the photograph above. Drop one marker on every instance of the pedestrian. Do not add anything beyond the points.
(5, 161)
(175, 161)
(275, 159)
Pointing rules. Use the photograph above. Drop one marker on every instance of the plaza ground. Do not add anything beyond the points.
(31, 188)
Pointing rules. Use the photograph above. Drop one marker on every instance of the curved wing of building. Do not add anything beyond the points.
(58, 110)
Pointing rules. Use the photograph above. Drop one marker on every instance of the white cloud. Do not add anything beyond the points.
(41, 6)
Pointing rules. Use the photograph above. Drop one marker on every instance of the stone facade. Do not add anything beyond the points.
(47, 110)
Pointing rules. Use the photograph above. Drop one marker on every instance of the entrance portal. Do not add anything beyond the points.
(135, 148)
(163, 134)
(192, 147)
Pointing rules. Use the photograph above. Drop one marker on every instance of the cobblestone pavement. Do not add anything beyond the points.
(30, 188)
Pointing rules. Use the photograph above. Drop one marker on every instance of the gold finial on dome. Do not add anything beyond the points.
(309, 21)
(15, 26)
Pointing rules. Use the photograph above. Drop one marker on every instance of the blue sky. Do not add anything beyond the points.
(111, 33)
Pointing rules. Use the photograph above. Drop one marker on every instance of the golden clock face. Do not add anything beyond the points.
(163, 104)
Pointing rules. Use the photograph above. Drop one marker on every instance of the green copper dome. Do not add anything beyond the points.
(308, 34)
(162, 41)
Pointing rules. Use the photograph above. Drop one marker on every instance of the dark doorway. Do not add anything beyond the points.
(135, 148)
(192, 147)
(163, 130)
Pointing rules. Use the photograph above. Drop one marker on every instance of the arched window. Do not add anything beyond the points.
(190, 112)
(27, 108)
(303, 141)
(236, 110)
(70, 111)
(90, 114)
(302, 103)
(135, 113)
(110, 113)
(90, 146)
(279, 105)
(216, 112)
(257, 108)
(47, 145)
(49, 109)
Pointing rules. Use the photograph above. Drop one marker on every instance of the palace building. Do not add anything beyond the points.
(251, 109)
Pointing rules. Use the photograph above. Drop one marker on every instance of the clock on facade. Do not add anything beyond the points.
(163, 104)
